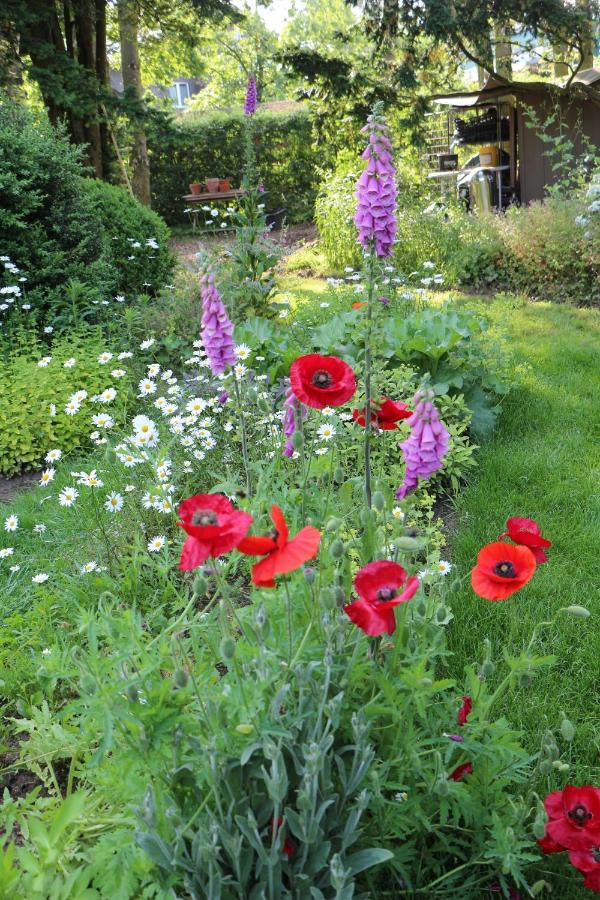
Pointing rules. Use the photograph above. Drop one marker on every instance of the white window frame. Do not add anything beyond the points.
(179, 100)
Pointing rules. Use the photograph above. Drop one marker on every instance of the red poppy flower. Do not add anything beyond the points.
(592, 881)
(214, 527)
(282, 555)
(527, 532)
(587, 860)
(463, 713)
(384, 414)
(548, 845)
(377, 585)
(321, 381)
(358, 303)
(574, 817)
(460, 772)
(289, 847)
(501, 570)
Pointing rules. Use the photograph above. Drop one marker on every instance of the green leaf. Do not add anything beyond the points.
(366, 859)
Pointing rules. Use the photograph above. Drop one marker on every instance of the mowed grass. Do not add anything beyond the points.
(543, 461)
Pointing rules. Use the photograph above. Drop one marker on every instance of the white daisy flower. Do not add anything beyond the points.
(321, 451)
(153, 370)
(69, 363)
(129, 488)
(102, 420)
(46, 651)
(105, 358)
(39, 528)
(107, 396)
(444, 567)
(53, 455)
(11, 523)
(127, 354)
(40, 578)
(88, 567)
(68, 496)
(145, 345)
(44, 361)
(47, 476)
(79, 396)
(242, 351)
(91, 480)
(398, 513)
(72, 407)
(114, 502)
(15, 569)
(118, 373)
(6, 551)
(326, 432)
(156, 543)
(146, 386)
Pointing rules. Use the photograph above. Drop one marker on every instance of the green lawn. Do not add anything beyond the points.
(544, 462)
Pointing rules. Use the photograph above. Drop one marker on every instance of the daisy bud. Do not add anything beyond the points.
(227, 648)
(567, 729)
(378, 501)
(337, 549)
(200, 585)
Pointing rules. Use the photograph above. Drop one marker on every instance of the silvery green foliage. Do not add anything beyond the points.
(306, 772)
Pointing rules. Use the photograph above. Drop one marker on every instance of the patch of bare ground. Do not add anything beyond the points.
(289, 238)
(10, 487)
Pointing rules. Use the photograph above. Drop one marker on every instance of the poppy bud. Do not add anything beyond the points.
(340, 596)
(309, 574)
(181, 678)
(339, 475)
(539, 825)
(378, 501)
(199, 586)
(263, 405)
(580, 611)
(337, 549)
(297, 440)
(487, 668)
(441, 787)
(227, 648)
(326, 598)
(545, 767)
(333, 524)
(539, 886)
(408, 544)
(567, 729)
(132, 693)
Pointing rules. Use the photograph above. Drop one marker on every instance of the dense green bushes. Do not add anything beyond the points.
(539, 249)
(57, 226)
(200, 147)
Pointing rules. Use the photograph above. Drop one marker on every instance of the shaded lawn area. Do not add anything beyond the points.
(544, 462)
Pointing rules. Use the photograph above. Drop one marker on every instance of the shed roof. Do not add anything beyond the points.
(585, 84)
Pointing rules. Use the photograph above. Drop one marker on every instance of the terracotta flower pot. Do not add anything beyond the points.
(224, 184)
(212, 185)
(195, 187)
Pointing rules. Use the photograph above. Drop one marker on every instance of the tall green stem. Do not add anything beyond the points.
(367, 377)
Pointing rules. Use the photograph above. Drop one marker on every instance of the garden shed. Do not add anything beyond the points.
(504, 119)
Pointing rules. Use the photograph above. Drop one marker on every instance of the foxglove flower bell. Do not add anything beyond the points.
(427, 445)
(376, 191)
(217, 328)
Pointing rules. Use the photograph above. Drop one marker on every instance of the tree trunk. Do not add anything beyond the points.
(561, 69)
(103, 78)
(503, 49)
(132, 84)
(587, 47)
(86, 55)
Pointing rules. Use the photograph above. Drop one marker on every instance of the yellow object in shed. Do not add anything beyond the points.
(488, 156)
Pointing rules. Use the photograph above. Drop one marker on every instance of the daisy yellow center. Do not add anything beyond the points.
(204, 517)
(505, 569)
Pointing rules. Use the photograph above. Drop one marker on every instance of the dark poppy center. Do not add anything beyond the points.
(204, 517)
(274, 534)
(322, 379)
(386, 593)
(595, 851)
(579, 815)
(505, 569)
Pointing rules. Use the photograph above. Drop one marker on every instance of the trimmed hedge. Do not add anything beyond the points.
(197, 147)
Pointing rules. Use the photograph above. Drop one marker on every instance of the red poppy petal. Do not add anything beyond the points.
(592, 881)
(216, 502)
(194, 553)
(459, 773)
(256, 546)
(562, 832)
(377, 574)
(553, 804)
(490, 589)
(584, 860)
(548, 846)
(521, 523)
(588, 796)
(371, 618)
(280, 525)
(234, 529)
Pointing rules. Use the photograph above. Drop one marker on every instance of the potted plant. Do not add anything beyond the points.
(224, 185)
(212, 185)
(195, 187)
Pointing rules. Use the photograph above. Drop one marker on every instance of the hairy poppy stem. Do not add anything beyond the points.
(371, 275)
